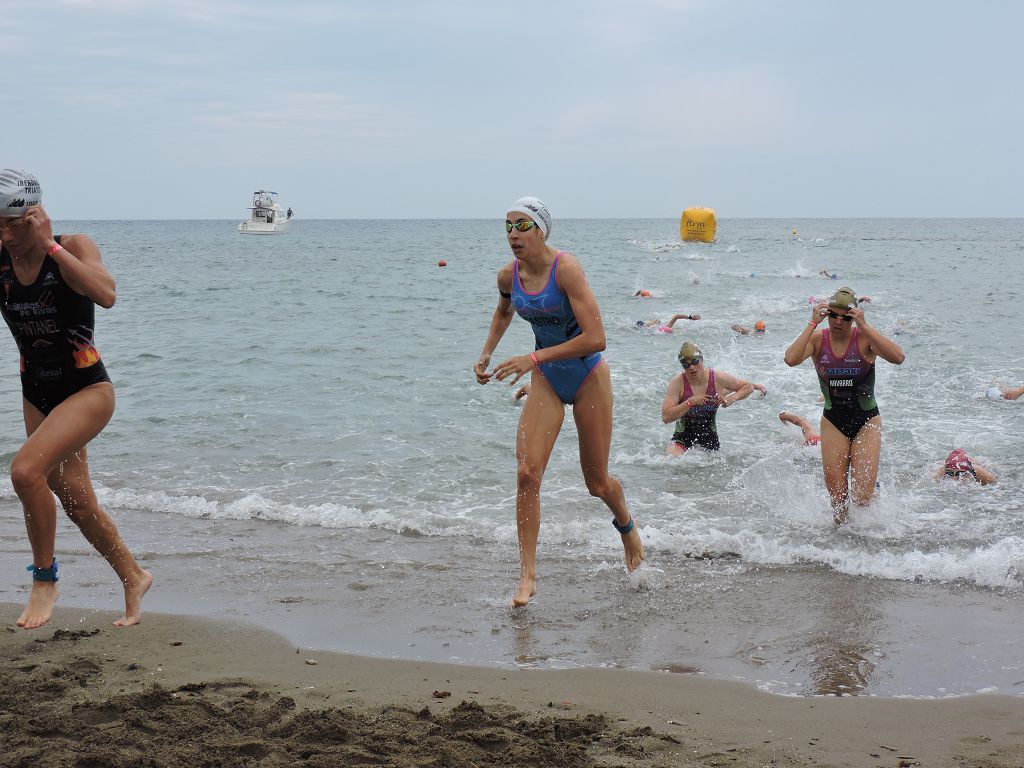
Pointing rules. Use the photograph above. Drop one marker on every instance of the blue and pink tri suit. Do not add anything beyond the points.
(553, 321)
(848, 384)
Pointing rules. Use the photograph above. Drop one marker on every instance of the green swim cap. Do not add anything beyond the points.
(844, 298)
(689, 350)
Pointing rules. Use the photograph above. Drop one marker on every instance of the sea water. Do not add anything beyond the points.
(299, 441)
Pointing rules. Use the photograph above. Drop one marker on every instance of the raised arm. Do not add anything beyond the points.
(803, 345)
(672, 322)
(879, 344)
(78, 258)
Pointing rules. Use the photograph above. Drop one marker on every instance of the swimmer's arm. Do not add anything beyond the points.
(740, 329)
(739, 389)
(878, 343)
(82, 269)
(570, 278)
(500, 321)
(671, 408)
(983, 476)
(672, 322)
(803, 345)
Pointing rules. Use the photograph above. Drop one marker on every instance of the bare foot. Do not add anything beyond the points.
(840, 516)
(133, 594)
(40, 605)
(634, 547)
(527, 590)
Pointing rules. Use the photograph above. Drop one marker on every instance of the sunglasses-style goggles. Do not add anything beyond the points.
(523, 225)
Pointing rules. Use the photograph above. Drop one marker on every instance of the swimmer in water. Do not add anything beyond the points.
(844, 357)
(811, 436)
(667, 327)
(693, 398)
(829, 275)
(758, 329)
(548, 289)
(960, 467)
(1010, 393)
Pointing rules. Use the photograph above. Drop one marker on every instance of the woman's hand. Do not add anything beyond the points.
(38, 227)
(858, 316)
(516, 366)
(819, 312)
(480, 369)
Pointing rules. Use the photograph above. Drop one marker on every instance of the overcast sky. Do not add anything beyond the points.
(378, 109)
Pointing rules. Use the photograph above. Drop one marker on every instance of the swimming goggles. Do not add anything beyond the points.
(844, 318)
(522, 225)
(960, 473)
(687, 363)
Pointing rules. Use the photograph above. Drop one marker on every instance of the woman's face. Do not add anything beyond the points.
(837, 319)
(10, 228)
(523, 233)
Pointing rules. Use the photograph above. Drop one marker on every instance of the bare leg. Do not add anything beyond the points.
(675, 449)
(48, 455)
(539, 425)
(835, 461)
(592, 412)
(864, 454)
(70, 481)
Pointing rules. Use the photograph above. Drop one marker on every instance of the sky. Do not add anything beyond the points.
(180, 109)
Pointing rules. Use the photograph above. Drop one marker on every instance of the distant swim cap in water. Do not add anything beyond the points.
(19, 191)
(536, 210)
(995, 393)
(665, 329)
(844, 298)
(689, 351)
(759, 326)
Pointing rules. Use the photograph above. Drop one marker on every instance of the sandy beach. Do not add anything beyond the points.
(185, 691)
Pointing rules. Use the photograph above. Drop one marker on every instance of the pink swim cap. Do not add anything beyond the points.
(665, 329)
(959, 461)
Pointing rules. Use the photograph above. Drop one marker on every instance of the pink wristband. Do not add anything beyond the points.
(813, 325)
(533, 356)
(53, 249)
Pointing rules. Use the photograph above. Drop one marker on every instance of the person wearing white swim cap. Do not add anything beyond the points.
(50, 287)
(547, 288)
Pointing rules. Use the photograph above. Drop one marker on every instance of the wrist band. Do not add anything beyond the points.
(813, 325)
(53, 249)
(533, 356)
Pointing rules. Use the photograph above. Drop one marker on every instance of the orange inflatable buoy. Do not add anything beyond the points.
(442, 263)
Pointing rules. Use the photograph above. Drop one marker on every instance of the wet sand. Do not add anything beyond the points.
(186, 691)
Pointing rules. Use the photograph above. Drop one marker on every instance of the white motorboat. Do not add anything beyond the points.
(266, 217)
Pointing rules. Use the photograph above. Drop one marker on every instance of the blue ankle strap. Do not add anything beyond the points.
(44, 574)
(623, 529)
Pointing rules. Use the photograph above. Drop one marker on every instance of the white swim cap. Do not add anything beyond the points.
(536, 210)
(19, 190)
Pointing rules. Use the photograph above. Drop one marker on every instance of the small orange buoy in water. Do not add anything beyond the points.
(442, 263)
